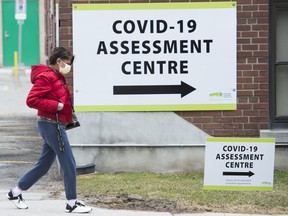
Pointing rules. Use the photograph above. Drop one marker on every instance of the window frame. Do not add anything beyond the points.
(274, 121)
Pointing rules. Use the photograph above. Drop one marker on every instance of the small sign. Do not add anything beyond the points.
(20, 10)
(239, 164)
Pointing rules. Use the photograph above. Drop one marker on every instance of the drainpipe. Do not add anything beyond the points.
(57, 23)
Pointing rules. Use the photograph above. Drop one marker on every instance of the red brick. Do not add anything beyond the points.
(261, 80)
(245, 80)
(211, 113)
(266, 2)
(264, 113)
(250, 47)
(260, 14)
(264, 126)
(233, 126)
(261, 106)
(240, 119)
(251, 126)
(212, 126)
(260, 40)
(252, 60)
(263, 20)
(202, 120)
(244, 67)
(251, 73)
(260, 53)
(243, 41)
(264, 86)
(244, 106)
(258, 119)
(242, 100)
(244, 15)
(252, 21)
(223, 133)
(250, 86)
(232, 113)
(241, 28)
(250, 34)
(250, 8)
(247, 133)
(260, 66)
(264, 7)
(244, 54)
(250, 113)
(241, 21)
(223, 119)
(258, 27)
(239, 2)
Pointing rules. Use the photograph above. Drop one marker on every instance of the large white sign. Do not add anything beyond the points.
(239, 164)
(160, 56)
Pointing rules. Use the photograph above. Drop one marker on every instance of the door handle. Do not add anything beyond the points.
(6, 35)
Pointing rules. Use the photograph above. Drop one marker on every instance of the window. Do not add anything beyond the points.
(279, 64)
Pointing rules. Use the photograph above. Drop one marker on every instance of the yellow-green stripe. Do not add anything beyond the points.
(155, 6)
(156, 107)
(232, 139)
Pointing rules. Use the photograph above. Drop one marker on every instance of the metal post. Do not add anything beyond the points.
(20, 23)
(16, 65)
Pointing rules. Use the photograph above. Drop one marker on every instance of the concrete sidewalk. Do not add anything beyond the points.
(13, 93)
(41, 204)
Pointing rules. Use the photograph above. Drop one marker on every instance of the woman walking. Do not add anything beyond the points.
(51, 97)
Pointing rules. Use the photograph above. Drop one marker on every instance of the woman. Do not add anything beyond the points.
(51, 97)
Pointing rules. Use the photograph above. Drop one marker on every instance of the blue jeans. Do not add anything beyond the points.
(50, 150)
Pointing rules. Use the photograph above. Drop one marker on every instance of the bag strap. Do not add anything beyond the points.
(64, 86)
(60, 137)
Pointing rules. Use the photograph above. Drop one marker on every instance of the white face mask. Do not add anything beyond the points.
(66, 69)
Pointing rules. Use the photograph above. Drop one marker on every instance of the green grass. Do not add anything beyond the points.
(186, 189)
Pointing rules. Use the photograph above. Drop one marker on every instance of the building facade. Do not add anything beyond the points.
(262, 66)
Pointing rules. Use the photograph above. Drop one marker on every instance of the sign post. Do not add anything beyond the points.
(20, 16)
(239, 164)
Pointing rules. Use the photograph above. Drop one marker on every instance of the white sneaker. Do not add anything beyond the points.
(79, 207)
(18, 201)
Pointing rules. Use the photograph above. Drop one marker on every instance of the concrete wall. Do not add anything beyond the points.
(138, 141)
(135, 128)
(157, 159)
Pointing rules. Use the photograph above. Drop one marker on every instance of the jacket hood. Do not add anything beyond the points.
(37, 70)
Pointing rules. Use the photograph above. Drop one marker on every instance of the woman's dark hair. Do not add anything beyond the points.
(62, 53)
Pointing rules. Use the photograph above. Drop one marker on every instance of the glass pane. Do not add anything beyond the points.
(282, 90)
(282, 35)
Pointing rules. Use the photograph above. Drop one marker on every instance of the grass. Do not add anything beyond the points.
(184, 189)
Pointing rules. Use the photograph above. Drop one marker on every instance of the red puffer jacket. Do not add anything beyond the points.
(47, 92)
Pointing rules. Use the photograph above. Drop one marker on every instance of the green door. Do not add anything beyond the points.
(30, 33)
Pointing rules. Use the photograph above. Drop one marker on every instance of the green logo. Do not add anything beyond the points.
(216, 94)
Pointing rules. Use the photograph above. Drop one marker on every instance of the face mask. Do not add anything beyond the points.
(66, 69)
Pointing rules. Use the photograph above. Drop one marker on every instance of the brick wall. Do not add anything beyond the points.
(252, 70)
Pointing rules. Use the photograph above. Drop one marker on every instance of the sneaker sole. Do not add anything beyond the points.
(67, 211)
